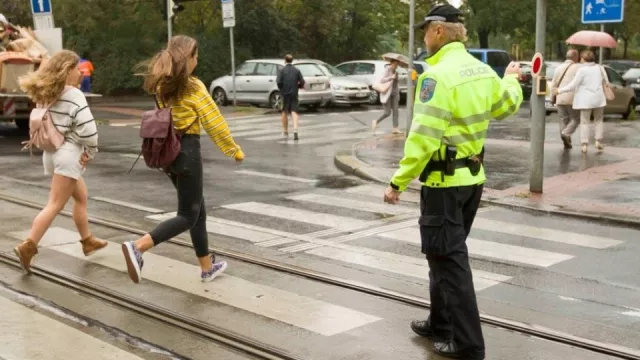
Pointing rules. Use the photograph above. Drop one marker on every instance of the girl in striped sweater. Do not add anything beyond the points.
(58, 78)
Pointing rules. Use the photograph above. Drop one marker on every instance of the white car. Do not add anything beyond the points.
(256, 84)
(368, 71)
(344, 90)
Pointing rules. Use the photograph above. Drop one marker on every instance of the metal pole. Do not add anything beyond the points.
(169, 29)
(412, 9)
(233, 65)
(601, 52)
(538, 111)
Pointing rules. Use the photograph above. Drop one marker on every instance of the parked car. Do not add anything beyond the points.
(525, 79)
(344, 90)
(632, 78)
(369, 71)
(256, 84)
(497, 59)
(624, 103)
(622, 66)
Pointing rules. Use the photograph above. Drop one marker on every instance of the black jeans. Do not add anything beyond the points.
(186, 175)
(446, 218)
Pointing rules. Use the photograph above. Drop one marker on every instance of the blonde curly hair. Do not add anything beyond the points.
(48, 82)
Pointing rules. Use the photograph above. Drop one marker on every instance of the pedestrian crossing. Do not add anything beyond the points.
(346, 238)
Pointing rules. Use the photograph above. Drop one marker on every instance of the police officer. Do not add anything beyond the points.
(455, 100)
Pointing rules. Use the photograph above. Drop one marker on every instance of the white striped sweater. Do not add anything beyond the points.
(73, 118)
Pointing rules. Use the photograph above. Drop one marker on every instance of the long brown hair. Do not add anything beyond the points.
(167, 73)
(46, 84)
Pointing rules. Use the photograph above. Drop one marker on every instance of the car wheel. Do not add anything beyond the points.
(275, 101)
(631, 111)
(374, 97)
(220, 97)
(23, 125)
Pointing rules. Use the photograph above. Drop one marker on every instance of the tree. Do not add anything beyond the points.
(630, 28)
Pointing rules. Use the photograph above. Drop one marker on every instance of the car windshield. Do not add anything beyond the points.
(331, 70)
(310, 70)
(633, 73)
(620, 66)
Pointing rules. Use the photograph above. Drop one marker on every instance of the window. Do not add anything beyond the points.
(551, 70)
(477, 55)
(498, 59)
(266, 69)
(246, 69)
(614, 77)
(310, 70)
(331, 70)
(346, 68)
(364, 69)
(632, 73)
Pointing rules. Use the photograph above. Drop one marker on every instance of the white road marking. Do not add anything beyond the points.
(263, 131)
(559, 236)
(377, 191)
(230, 230)
(378, 207)
(121, 124)
(276, 242)
(24, 328)
(320, 140)
(284, 306)
(632, 313)
(127, 204)
(490, 250)
(399, 264)
(251, 120)
(309, 217)
(276, 176)
(330, 129)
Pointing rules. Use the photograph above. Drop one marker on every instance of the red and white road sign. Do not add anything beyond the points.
(536, 64)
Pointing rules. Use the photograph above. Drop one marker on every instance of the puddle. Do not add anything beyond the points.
(337, 182)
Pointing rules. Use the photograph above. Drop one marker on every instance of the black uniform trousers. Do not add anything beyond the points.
(445, 222)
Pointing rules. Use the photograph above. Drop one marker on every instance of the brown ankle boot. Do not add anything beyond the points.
(26, 252)
(91, 245)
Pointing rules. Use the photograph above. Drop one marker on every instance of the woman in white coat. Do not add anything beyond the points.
(589, 97)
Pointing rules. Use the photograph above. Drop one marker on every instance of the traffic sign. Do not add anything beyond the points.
(602, 11)
(536, 64)
(43, 22)
(41, 7)
(228, 14)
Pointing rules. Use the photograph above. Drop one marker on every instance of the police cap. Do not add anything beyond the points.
(444, 13)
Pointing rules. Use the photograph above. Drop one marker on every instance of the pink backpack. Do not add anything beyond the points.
(42, 131)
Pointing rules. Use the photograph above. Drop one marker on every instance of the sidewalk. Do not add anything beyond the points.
(597, 186)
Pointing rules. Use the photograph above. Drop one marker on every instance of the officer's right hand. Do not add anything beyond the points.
(513, 69)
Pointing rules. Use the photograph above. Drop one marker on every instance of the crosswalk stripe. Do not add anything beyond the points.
(309, 217)
(377, 191)
(379, 207)
(399, 264)
(230, 230)
(127, 204)
(547, 234)
(276, 242)
(304, 312)
(268, 134)
(31, 335)
(254, 120)
(320, 140)
(276, 176)
(319, 130)
(491, 250)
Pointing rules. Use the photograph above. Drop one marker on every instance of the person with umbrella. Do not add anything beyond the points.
(456, 98)
(391, 97)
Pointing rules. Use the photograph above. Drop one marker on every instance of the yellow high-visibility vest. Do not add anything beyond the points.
(454, 101)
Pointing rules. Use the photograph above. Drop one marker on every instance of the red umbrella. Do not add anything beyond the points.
(592, 39)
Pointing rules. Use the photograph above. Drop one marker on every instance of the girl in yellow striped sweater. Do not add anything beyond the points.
(169, 77)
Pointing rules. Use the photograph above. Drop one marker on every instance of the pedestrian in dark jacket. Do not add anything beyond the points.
(289, 81)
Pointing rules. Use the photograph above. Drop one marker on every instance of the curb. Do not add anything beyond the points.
(347, 162)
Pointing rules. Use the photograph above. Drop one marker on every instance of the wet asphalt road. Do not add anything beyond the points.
(573, 276)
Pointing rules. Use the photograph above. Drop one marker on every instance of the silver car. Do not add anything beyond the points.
(369, 71)
(256, 84)
(344, 90)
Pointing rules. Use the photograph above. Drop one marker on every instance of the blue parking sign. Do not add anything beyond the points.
(41, 7)
(602, 11)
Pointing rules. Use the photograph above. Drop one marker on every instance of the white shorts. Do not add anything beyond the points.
(65, 161)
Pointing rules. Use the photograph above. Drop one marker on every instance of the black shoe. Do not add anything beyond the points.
(422, 328)
(567, 141)
(295, 135)
(447, 349)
